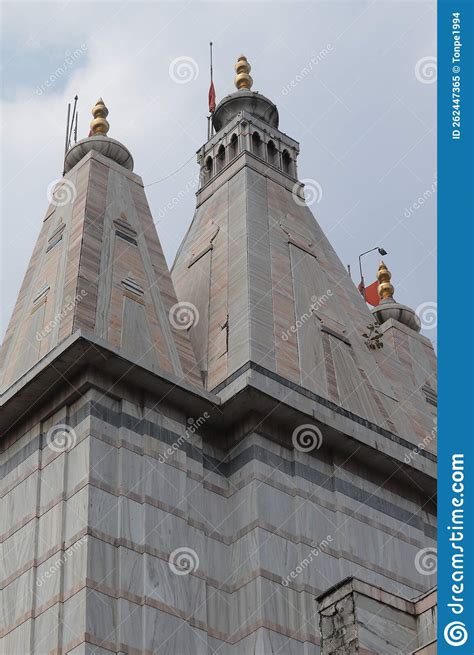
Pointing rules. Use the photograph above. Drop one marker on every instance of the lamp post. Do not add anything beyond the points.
(381, 251)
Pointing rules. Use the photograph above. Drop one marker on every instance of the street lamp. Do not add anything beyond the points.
(382, 251)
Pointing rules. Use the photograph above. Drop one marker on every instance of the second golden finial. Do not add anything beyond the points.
(99, 125)
(385, 288)
(242, 68)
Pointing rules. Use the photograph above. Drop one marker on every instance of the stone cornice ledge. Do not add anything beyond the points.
(82, 351)
(288, 403)
(350, 585)
(254, 400)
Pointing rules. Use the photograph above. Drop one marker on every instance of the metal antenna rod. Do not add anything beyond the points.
(72, 121)
(209, 118)
(67, 128)
(75, 128)
(210, 49)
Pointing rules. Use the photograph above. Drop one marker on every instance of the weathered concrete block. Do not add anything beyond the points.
(358, 617)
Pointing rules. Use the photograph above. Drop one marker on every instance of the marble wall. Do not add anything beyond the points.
(125, 532)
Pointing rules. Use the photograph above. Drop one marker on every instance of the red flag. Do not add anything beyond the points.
(370, 293)
(212, 98)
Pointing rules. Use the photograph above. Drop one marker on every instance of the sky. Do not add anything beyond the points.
(354, 82)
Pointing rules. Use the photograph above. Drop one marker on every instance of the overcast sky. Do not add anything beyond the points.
(355, 84)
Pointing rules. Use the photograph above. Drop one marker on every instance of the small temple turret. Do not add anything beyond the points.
(251, 202)
(389, 308)
(98, 268)
(244, 100)
(99, 141)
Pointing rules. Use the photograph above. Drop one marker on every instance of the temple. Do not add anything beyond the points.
(235, 456)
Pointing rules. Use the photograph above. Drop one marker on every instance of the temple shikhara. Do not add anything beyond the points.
(236, 456)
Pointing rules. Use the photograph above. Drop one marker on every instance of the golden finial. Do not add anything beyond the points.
(242, 68)
(385, 288)
(99, 125)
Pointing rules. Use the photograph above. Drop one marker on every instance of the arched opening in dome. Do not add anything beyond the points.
(234, 147)
(207, 170)
(287, 163)
(272, 154)
(220, 158)
(256, 144)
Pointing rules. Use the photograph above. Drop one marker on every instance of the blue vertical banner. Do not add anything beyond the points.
(456, 327)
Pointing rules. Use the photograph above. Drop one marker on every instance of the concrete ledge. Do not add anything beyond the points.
(254, 399)
(110, 163)
(351, 584)
(342, 429)
(245, 158)
(356, 617)
(80, 351)
(426, 601)
(396, 325)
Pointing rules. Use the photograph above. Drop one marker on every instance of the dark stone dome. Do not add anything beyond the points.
(250, 101)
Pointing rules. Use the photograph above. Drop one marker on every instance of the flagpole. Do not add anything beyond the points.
(209, 118)
(210, 49)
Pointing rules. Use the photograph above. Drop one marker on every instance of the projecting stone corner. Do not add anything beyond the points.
(356, 618)
(337, 621)
(338, 627)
